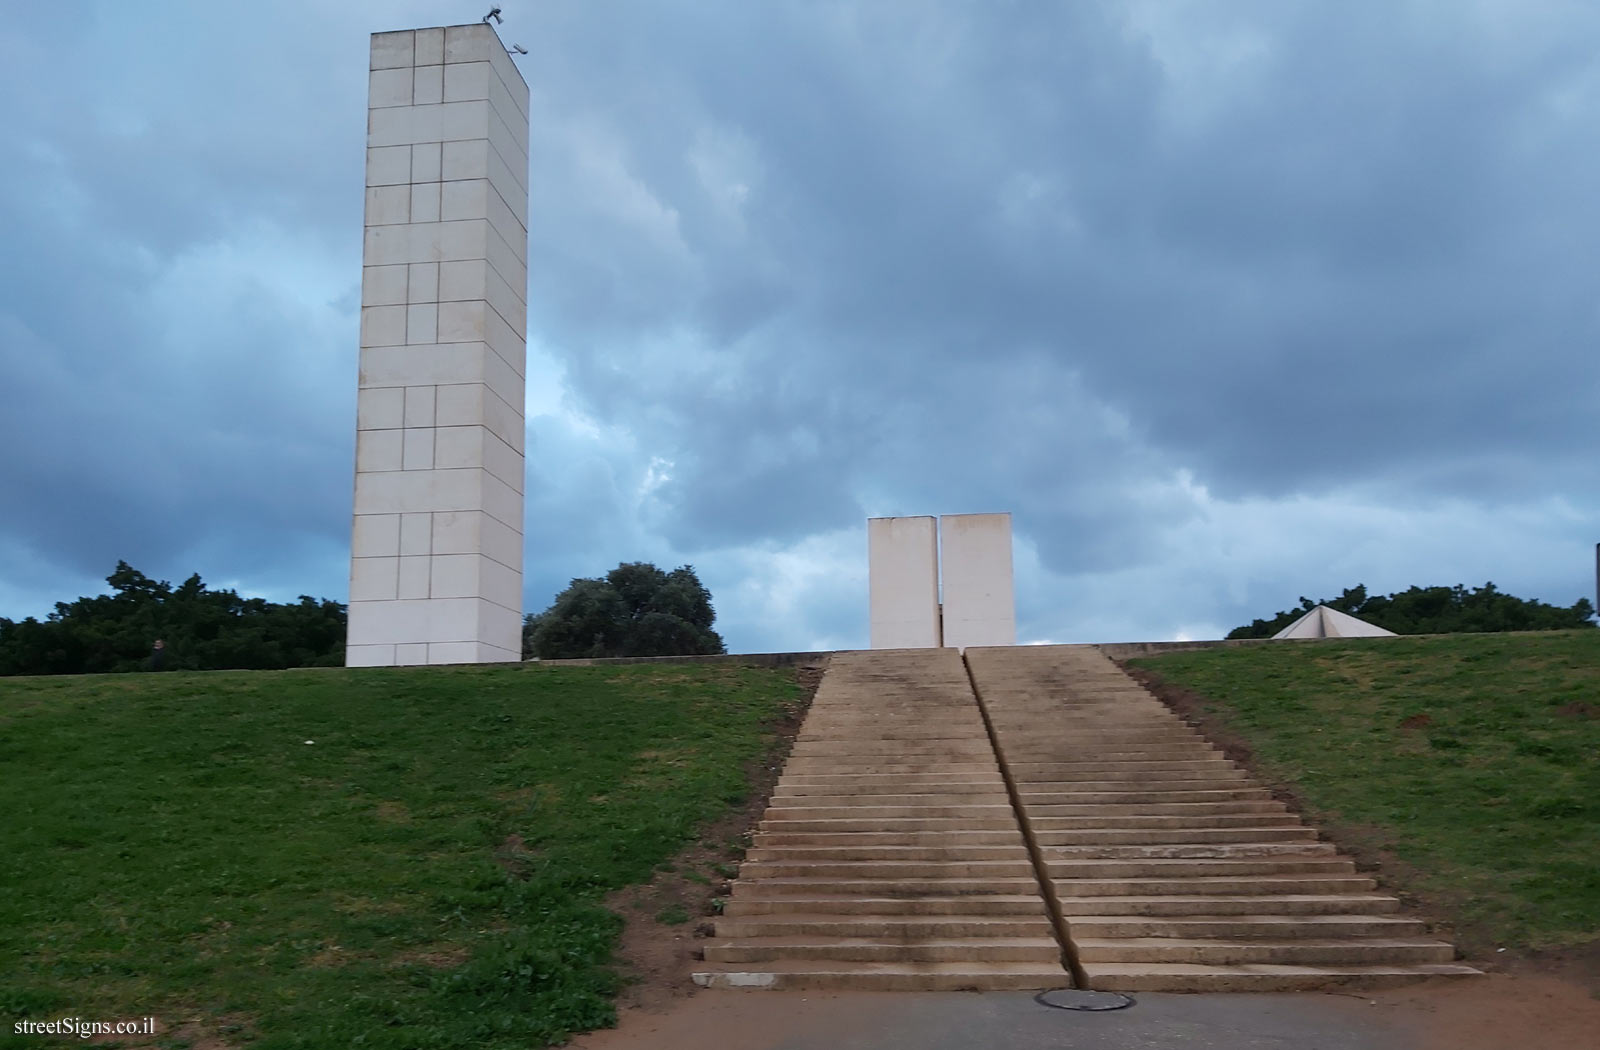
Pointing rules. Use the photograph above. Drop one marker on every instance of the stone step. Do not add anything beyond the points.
(926, 886)
(1040, 949)
(1032, 797)
(823, 906)
(856, 725)
(1154, 809)
(1146, 821)
(1261, 977)
(1189, 850)
(966, 750)
(865, 853)
(917, 731)
(886, 887)
(1080, 741)
(880, 780)
(884, 977)
(990, 795)
(895, 825)
(1032, 771)
(886, 700)
(1016, 866)
(1028, 734)
(889, 864)
(959, 846)
(878, 723)
(1281, 818)
(954, 836)
(1345, 903)
(1174, 836)
(912, 735)
(1154, 753)
(1073, 727)
(1031, 790)
(884, 765)
(1242, 885)
(1111, 779)
(891, 792)
(891, 716)
(1031, 747)
(999, 811)
(1296, 952)
(891, 928)
(1247, 927)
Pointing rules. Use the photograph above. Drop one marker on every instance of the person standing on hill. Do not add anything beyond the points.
(158, 655)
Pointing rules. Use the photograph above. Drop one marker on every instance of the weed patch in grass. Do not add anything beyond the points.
(673, 915)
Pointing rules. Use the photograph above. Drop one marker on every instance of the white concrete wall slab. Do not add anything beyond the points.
(383, 285)
(419, 404)
(369, 656)
(903, 582)
(376, 535)
(979, 595)
(429, 46)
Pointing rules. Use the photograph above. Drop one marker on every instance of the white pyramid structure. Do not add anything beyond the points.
(1323, 622)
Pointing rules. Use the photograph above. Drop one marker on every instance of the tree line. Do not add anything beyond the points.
(202, 630)
(634, 610)
(1436, 610)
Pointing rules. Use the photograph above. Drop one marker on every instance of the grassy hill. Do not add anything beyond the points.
(1468, 764)
(380, 858)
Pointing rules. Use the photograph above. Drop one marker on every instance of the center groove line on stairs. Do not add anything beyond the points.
(1041, 871)
(889, 856)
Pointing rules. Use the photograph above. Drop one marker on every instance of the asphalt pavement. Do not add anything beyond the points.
(1007, 1021)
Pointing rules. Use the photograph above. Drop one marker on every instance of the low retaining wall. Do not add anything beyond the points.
(737, 659)
(1128, 650)
(1114, 650)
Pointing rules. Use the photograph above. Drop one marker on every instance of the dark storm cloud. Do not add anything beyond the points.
(1168, 281)
(1010, 260)
(1363, 268)
(169, 382)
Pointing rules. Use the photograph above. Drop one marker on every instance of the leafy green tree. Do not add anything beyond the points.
(203, 630)
(1437, 610)
(635, 610)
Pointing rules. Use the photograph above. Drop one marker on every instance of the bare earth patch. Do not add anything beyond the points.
(191, 1033)
(1522, 1009)
(668, 917)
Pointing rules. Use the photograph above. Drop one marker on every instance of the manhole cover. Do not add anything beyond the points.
(1083, 999)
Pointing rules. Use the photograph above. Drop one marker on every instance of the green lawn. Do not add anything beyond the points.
(1472, 759)
(329, 858)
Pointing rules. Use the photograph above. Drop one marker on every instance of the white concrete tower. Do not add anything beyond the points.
(436, 548)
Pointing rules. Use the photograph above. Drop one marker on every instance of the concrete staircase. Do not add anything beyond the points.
(1174, 870)
(891, 858)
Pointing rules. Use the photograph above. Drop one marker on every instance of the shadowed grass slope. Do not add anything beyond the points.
(384, 858)
(1470, 758)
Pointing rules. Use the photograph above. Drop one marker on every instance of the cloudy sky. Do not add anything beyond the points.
(1227, 302)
